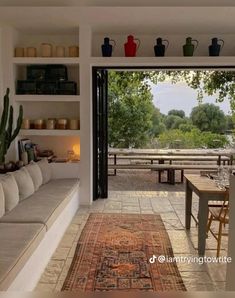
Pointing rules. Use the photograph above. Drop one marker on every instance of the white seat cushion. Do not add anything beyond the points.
(35, 173)
(24, 182)
(18, 242)
(11, 191)
(2, 201)
(46, 170)
(45, 205)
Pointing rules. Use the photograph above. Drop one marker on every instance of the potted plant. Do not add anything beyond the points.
(7, 135)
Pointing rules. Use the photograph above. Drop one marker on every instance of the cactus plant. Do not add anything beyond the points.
(6, 126)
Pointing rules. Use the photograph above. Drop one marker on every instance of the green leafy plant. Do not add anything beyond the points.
(7, 135)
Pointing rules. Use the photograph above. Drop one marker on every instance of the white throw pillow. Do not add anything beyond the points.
(2, 201)
(24, 182)
(11, 191)
(46, 170)
(35, 173)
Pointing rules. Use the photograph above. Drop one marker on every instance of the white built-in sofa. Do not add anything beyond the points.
(35, 211)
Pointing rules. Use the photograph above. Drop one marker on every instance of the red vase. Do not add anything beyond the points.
(131, 46)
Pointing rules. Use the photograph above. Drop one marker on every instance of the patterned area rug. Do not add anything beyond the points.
(113, 253)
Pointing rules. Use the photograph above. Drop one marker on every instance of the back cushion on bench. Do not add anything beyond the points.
(11, 191)
(24, 182)
(46, 170)
(2, 201)
(35, 173)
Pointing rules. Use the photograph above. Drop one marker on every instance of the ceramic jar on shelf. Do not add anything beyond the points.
(73, 51)
(46, 50)
(51, 124)
(73, 124)
(60, 51)
(62, 123)
(31, 52)
(38, 124)
(25, 124)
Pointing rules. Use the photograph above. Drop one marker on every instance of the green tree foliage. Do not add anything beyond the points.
(130, 110)
(209, 117)
(174, 122)
(191, 139)
(179, 113)
(157, 123)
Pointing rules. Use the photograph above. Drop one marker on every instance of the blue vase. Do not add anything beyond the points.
(107, 48)
(160, 48)
(215, 47)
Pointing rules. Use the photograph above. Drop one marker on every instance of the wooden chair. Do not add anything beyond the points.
(221, 215)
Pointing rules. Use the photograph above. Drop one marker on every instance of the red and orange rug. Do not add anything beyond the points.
(113, 253)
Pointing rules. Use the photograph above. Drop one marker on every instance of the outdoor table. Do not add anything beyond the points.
(206, 190)
(115, 152)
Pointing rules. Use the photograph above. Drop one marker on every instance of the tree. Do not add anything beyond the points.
(158, 125)
(209, 117)
(179, 113)
(130, 110)
(173, 121)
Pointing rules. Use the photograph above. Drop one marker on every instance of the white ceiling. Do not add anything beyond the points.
(110, 3)
(178, 20)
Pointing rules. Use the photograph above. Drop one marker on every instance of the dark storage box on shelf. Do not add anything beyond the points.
(56, 73)
(47, 80)
(67, 88)
(36, 72)
(46, 87)
(26, 87)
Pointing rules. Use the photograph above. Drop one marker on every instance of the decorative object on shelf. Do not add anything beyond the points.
(47, 79)
(73, 51)
(189, 47)
(25, 123)
(66, 88)
(62, 124)
(76, 150)
(56, 72)
(160, 48)
(131, 46)
(60, 51)
(19, 52)
(6, 126)
(24, 158)
(38, 124)
(107, 48)
(36, 72)
(215, 47)
(51, 123)
(26, 87)
(31, 52)
(73, 124)
(46, 50)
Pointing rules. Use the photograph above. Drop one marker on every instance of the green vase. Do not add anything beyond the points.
(189, 47)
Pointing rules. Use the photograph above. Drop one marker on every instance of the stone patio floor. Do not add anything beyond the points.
(137, 192)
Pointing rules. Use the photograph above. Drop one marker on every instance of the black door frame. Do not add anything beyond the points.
(104, 106)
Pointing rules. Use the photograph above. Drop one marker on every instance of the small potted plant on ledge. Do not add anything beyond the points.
(7, 135)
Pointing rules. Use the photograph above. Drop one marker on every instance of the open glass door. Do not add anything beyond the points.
(100, 133)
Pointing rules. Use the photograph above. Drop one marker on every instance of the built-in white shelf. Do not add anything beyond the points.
(50, 60)
(47, 98)
(48, 132)
(164, 61)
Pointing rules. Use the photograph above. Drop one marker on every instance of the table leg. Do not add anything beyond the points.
(219, 160)
(188, 204)
(115, 162)
(202, 224)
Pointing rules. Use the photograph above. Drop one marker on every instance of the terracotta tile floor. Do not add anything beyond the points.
(138, 192)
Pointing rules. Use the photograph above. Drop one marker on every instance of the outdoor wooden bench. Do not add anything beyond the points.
(170, 168)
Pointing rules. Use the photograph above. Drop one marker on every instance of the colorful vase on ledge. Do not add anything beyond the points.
(131, 46)
(107, 47)
(189, 47)
(215, 47)
(160, 48)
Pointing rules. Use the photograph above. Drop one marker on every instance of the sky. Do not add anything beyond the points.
(179, 96)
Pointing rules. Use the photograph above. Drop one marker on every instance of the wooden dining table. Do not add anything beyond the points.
(206, 190)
